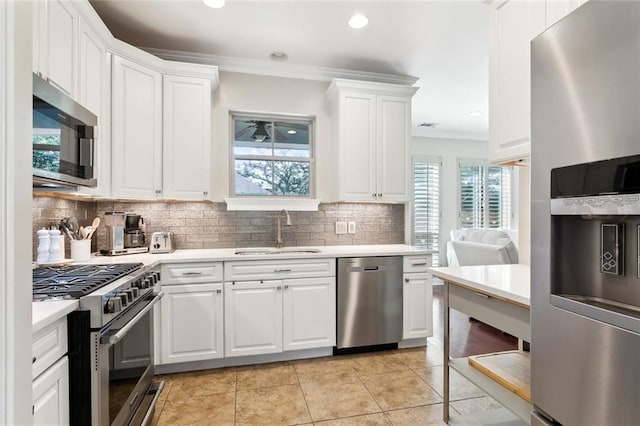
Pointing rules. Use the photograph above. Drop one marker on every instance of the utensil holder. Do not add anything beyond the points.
(80, 250)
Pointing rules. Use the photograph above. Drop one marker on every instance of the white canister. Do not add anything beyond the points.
(80, 250)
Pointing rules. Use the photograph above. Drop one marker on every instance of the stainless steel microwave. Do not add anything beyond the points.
(64, 134)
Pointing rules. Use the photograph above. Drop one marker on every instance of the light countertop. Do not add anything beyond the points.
(509, 282)
(229, 254)
(47, 312)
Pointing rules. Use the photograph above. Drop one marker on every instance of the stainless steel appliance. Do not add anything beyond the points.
(110, 339)
(161, 242)
(585, 210)
(369, 299)
(63, 138)
(126, 234)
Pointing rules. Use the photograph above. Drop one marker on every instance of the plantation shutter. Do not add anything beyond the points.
(426, 204)
(485, 195)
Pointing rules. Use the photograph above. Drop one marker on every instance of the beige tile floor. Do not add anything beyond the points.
(399, 387)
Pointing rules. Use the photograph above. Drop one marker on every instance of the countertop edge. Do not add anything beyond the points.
(45, 313)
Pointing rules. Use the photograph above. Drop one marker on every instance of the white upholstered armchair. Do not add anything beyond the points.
(481, 247)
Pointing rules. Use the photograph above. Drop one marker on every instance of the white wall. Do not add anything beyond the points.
(255, 93)
(449, 150)
(524, 212)
(15, 212)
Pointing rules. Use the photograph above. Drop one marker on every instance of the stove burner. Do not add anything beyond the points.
(74, 281)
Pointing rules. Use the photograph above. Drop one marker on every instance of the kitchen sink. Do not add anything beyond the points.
(262, 252)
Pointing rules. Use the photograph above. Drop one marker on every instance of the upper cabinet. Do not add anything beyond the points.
(372, 137)
(161, 127)
(136, 130)
(186, 145)
(513, 24)
(56, 43)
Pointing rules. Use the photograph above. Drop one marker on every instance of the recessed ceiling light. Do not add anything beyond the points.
(291, 132)
(216, 4)
(358, 21)
(474, 113)
(279, 56)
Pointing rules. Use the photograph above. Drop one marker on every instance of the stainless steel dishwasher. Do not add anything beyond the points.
(369, 301)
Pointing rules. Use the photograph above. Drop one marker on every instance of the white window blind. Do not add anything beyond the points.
(485, 195)
(426, 204)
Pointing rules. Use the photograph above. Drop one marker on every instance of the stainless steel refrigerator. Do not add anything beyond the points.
(585, 213)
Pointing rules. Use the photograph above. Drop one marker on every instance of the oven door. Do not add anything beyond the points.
(125, 365)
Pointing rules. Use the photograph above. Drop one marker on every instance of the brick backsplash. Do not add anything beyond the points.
(210, 225)
(47, 211)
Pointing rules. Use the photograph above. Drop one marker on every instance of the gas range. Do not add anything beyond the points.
(107, 291)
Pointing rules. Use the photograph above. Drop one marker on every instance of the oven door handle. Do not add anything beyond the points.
(113, 339)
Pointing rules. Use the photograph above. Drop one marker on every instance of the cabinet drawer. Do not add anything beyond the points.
(48, 345)
(416, 263)
(278, 269)
(190, 273)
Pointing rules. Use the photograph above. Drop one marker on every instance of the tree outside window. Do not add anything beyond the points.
(273, 156)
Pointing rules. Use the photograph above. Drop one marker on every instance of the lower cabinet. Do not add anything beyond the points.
(272, 316)
(417, 302)
(253, 317)
(309, 313)
(191, 323)
(50, 393)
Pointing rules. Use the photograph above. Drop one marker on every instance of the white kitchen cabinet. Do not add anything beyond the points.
(56, 44)
(558, 9)
(93, 93)
(50, 393)
(186, 138)
(191, 323)
(372, 135)
(253, 317)
(417, 297)
(513, 24)
(136, 130)
(309, 313)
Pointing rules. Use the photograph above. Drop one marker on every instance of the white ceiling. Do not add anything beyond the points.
(443, 43)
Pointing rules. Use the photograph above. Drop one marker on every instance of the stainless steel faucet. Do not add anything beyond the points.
(279, 233)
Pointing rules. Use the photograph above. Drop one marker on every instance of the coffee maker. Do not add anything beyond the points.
(125, 234)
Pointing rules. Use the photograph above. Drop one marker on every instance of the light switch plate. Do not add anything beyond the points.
(351, 227)
(341, 228)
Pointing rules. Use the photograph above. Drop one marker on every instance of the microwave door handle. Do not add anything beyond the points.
(112, 340)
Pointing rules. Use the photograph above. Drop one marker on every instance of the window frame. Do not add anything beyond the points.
(430, 159)
(485, 164)
(271, 117)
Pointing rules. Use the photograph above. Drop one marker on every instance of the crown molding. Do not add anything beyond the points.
(268, 68)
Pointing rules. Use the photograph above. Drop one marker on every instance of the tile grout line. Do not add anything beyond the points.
(303, 395)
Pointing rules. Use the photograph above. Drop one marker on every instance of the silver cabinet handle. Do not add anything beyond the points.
(218, 291)
(279, 288)
(419, 264)
(406, 280)
(486, 296)
(380, 194)
(192, 273)
(282, 270)
(286, 286)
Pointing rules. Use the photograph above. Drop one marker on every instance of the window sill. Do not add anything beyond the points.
(272, 204)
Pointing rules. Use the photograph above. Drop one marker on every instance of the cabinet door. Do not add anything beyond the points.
(186, 137)
(309, 313)
(357, 147)
(50, 395)
(393, 145)
(417, 306)
(191, 323)
(513, 24)
(253, 318)
(93, 82)
(59, 45)
(136, 130)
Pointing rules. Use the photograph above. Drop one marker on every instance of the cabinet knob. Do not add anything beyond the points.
(218, 291)
(33, 361)
(206, 193)
(278, 288)
(380, 194)
(158, 192)
(286, 286)
(406, 280)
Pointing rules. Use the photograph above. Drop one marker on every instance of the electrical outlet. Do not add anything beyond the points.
(341, 228)
(351, 227)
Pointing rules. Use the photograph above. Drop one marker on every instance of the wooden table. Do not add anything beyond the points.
(497, 295)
